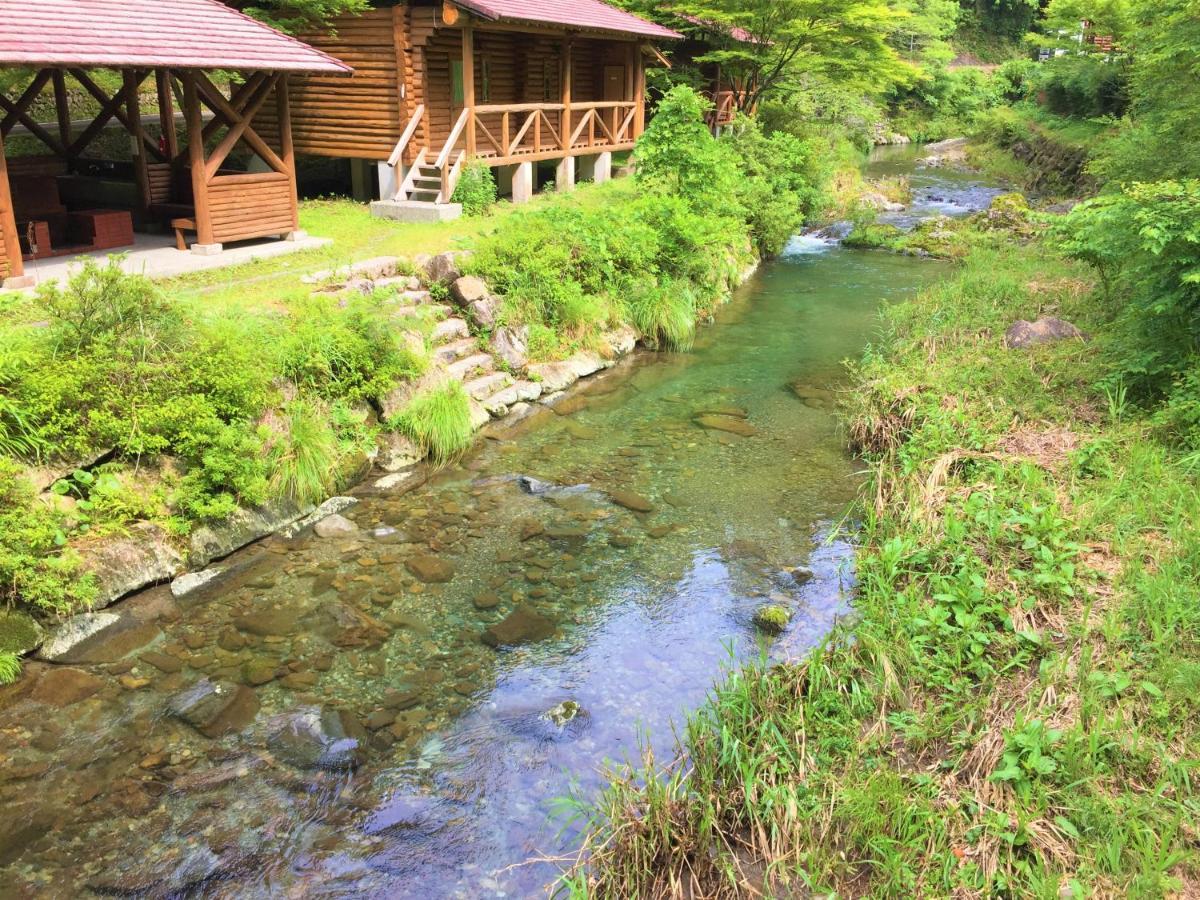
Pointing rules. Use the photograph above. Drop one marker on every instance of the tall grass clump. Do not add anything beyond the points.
(306, 454)
(10, 668)
(439, 422)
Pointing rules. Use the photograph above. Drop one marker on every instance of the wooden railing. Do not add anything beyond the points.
(725, 106)
(406, 138)
(511, 131)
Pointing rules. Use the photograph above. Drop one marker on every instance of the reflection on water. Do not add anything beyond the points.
(662, 505)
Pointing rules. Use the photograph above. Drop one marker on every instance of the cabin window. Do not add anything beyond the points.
(457, 95)
(485, 81)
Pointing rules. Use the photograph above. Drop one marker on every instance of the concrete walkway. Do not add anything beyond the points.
(156, 257)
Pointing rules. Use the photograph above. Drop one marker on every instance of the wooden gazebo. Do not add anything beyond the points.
(191, 186)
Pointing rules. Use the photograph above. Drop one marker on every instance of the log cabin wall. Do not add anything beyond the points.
(360, 117)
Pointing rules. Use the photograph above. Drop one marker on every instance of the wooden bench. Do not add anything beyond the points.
(182, 225)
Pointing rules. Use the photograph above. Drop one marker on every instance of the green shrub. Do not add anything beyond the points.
(439, 421)
(476, 188)
(344, 348)
(35, 567)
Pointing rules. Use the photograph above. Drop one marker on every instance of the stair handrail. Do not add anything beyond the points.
(411, 129)
(410, 180)
(455, 134)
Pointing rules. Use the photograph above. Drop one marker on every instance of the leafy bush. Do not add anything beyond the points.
(34, 566)
(476, 188)
(339, 348)
(439, 421)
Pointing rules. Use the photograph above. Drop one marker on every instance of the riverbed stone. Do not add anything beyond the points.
(164, 662)
(334, 526)
(328, 508)
(1046, 330)
(315, 738)
(522, 626)
(64, 687)
(215, 708)
(631, 500)
(729, 424)
(430, 569)
(486, 600)
(269, 622)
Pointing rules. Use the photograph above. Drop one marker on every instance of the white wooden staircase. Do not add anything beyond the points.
(424, 193)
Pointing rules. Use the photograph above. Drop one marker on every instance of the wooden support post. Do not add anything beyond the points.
(10, 243)
(62, 107)
(195, 138)
(166, 113)
(287, 151)
(566, 94)
(468, 76)
(141, 166)
(639, 96)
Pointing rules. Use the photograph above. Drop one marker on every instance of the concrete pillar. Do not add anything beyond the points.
(522, 183)
(596, 168)
(390, 179)
(564, 174)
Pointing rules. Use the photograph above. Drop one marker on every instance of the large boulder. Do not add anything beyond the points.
(215, 708)
(1046, 330)
(19, 632)
(64, 687)
(397, 451)
(215, 541)
(334, 526)
(467, 289)
(129, 562)
(443, 268)
(100, 637)
(483, 311)
(314, 738)
(511, 345)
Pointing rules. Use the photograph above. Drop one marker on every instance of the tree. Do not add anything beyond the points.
(294, 16)
(780, 42)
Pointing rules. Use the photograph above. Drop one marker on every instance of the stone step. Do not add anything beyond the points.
(521, 392)
(486, 386)
(452, 352)
(450, 330)
(478, 364)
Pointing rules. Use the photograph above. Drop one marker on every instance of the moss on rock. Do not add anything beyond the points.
(19, 633)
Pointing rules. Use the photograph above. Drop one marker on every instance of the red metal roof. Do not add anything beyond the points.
(592, 15)
(736, 32)
(176, 34)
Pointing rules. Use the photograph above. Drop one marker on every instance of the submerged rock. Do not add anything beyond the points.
(315, 738)
(631, 501)
(730, 424)
(334, 526)
(65, 687)
(772, 619)
(522, 626)
(1046, 330)
(563, 713)
(430, 569)
(215, 708)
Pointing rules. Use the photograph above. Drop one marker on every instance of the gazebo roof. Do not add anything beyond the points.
(170, 34)
(593, 15)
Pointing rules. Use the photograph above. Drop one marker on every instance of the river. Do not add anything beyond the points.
(636, 562)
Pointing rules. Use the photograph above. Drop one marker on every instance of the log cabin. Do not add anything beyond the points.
(729, 91)
(511, 83)
(224, 182)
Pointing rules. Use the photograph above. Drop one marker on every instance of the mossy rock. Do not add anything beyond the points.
(772, 619)
(19, 633)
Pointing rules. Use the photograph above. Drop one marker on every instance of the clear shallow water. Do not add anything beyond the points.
(455, 796)
(937, 191)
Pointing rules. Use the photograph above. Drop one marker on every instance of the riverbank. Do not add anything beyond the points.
(146, 434)
(1012, 708)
